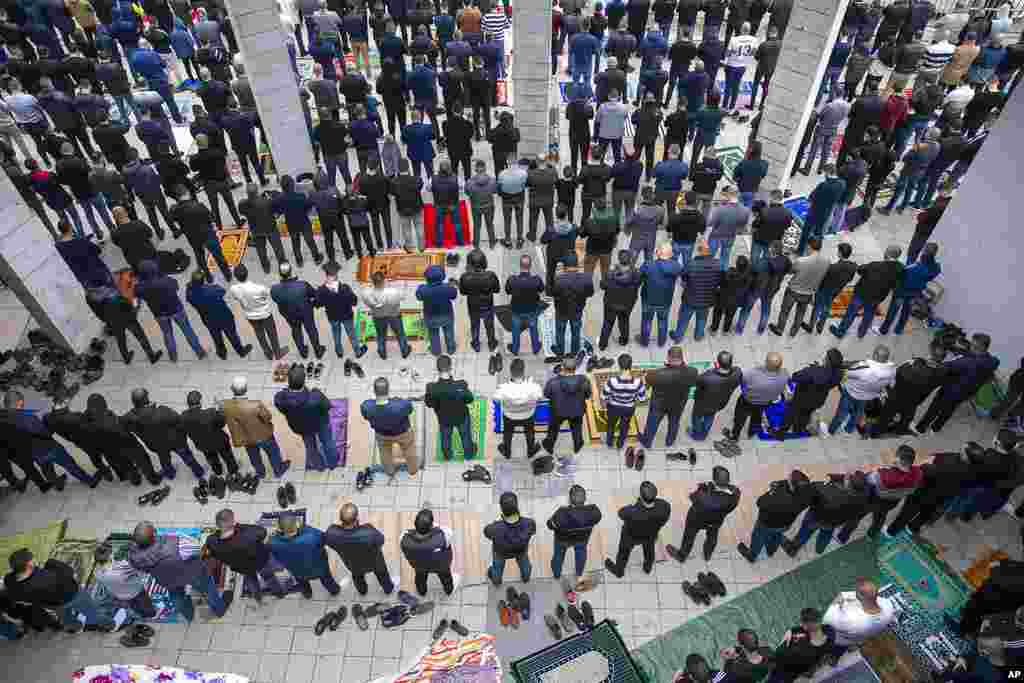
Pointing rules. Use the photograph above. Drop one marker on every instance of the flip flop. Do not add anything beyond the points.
(439, 630)
(161, 496)
(338, 618)
(553, 627)
(458, 628)
(360, 618)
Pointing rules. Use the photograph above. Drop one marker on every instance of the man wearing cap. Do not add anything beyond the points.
(251, 426)
(243, 548)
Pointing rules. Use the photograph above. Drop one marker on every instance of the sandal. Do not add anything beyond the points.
(146, 631)
(160, 495)
(323, 623)
(477, 473)
(147, 498)
(338, 618)
(360, 618)
(458, 628)
(318, 370)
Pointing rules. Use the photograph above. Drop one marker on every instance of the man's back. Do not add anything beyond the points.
(643, 523)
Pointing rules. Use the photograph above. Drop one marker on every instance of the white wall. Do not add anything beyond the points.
(981, 241)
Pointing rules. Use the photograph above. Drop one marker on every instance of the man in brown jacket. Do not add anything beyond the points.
(251, 425)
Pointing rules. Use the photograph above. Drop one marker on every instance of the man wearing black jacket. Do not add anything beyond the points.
(685, 226)
(572, 525)
(503, 138)
(770, 224)
(540, 180)
(767, 56)
(944, 478)
(594, 179)
(510, 538)
(713, 501)
(360, 548)
(331, 138)
(915, 381)
(680, 54)
(838, 275)
(479, 285)
(621, 287)
(777, 509)
(458, 132)
(205, 426)
(568, 394)
(579, 112)
(210, 164)
(376, 187)
(641, 523)
(670, 390)
(242, 548)
(877, 280)
(714, 390)
(570, 290)
(428, 549)
(162, 431)
(833, 503)
(70, 425)
(51, 586)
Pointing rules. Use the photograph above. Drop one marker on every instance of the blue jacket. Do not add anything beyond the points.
(240, 127)
(389, 419)
(583, 46)
(695, 85)
(669, 174)
(840, 53)
(824, 198)
(703, 277)
(125, 29)
(423, 83)
(510, 539)
(303, 555)
(181, 40)
(967, 373)
(305, 410)
(626, 174)
(364, 134)
(143, 179)
(149, 65)
(659, 281)
(356, 27)
(340, 304)
(295, 208)
(653, 45)
(83, 258)
(323, 54)
(208, 300)
(153, 134)
(445, 25)
(160, 292)
(917, 277)
(749, 173)
(432, 553)
(417, 138)
(294, 298)
(392, 47)
(437, 295)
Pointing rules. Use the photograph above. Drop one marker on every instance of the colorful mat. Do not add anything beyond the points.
(139, 673)
(448, 229)
(339, 427)
(917, 579)
(79, 554)
(769, 609)
(40, 541)
(478, 429)
(412, 322)
(398, 265)
(596, 655)
(233, 242)
(472, 660)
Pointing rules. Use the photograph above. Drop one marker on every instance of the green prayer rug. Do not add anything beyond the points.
(40, 541)
(79, 554)
(478, 429)
(412, 323)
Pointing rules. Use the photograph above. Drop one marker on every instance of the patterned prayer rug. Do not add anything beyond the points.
(233, 242)
(472, 659)
(478, 429)
(596, 655)
(398, 265)
(139, 673)
(338, 416)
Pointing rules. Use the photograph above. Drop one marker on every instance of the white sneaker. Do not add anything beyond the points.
(823, 430)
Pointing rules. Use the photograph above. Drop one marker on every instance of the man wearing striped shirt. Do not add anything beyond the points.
(621, 393)
(494, 24)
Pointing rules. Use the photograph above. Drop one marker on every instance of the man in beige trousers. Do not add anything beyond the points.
(389, 418)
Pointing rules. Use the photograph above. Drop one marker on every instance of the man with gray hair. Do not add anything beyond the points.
(251, 426)
(242, 547)
(646, 221)
(175, 562)
(864, 381)
(877, 280)
(389, 419)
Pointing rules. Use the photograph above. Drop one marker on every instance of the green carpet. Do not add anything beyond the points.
(79, 554)
(40, 541)
(769, 609)
(412, 323)
(478, 426)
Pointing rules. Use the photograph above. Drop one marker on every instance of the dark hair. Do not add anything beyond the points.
(509, 504)
(845, 250)
(562, 212)
(748, 639)
(983, 340)
(296, 377)
(287, 183)
(625, 361)
(517, 368)
(858, 481)
(198, 276)
(742, 263)
(627, 258)
(648, 492)
(720, 475)
(809, 615)
(698, 669)
(19, 560)
(577, 495)
(570, 260)
(194, 399)
(834, 358)
(477, 259)
(444, 363)
(241, 272)
(1007, 439)
(332, 268)
(725, 360)
(814, 243)
(798, 478)
(424, 521)
(906, 454)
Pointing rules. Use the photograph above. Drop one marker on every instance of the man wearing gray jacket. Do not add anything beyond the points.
(384, 304)
(808, 273)
(760, 387)
(645, 223)
(610, 124)
(481, 189)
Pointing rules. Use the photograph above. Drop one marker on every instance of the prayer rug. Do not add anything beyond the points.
(233, 242)
(926, 588)
(798, 206)
(859, 671)
(472, 659)
(398, 266)
(448, 229)
(40, 541)
(478, 429)
(412, 323)
(596, 655)
(541, 417)
(79, 554)
(730, 158)
(769, 609)
(139, 673)
(338, 416)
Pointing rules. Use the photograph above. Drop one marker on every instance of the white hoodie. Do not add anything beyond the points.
(866, 380)
(519, 398)
(254, 299)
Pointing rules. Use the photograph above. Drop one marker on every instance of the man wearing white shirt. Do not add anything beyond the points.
(518, 398)
(865, 381)
(859, 615)
(956, 101)
(739, 54)
(254, 300)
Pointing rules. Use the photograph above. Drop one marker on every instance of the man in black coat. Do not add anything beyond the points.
(568, 394)
(621, 287)
(70, 425)
(195, 221)
(163, 432)
(242, 548)
(966, 374)
(458, 133)
(834, 503)
(121, 317)
(570, 290)
(866, 112)
(540, 180)
(915, 381)
(258, 211)
(295, 300)
(714, 390)
(479, 285)
(241, 128)
(641, 523)
(877, 280)
(205, 426)
(510, 538)
(777, 509)
(572, 525)
(944, 479)
(838, 275)
(428, 549)
(713, 501)
(359, 546)
(579, 112)
(52, 586)
(770, 225)
(670, 390)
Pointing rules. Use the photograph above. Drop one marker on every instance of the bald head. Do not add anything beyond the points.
(881, 354)
(349, 515)
(773, 361)
(525, 263)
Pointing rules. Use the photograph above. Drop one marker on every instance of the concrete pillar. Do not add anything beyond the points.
(39, 277)
(262, 44)
(813, 28)
(980, 242)
(531, 74)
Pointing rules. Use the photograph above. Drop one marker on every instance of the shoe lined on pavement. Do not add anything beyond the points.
(588, 614)
(563, 617)
(553, 627)
(458, 628)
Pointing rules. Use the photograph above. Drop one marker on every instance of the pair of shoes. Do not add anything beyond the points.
(201, 492)
(697, 593)
(690, 456)
(519, 602)
(477, 473)
(542, 465)
(138, 635)
(218, 487)
(495, 364)
(286, 495)
(507, 616)
(567, 618)
(674, 553)
(744, 551)
(364, 479)
(332, 620)
(641, 456)
(153, 498)
(728, 448)
(353, 367)
(711, 583)
(610, 566)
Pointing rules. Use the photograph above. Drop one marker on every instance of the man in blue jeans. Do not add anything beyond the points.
(702, 276)
(307, 412)
(524, 290)
(438, 312)
(570, 289)
(243, 548)
(445, 188)
(838, 275)
(52, 586)
(657, 292)
(914, 172)
(160, 292)
(384, 305)
(713, 391)
(296, 300)
(877, 280)
(833, 503)
(864, 381)
(510, 538)
(176, 562)
(777, 509)
(251, 426)
(194, 220)
(572, 525)
(915, 280)
(449, 398)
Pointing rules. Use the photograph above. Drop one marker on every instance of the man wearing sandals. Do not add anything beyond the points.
(389, 418)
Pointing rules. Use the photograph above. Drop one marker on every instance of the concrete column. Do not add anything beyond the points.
(531, 73)
(980, 242)
(262, 44)
(39, 277)
(813, 28)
